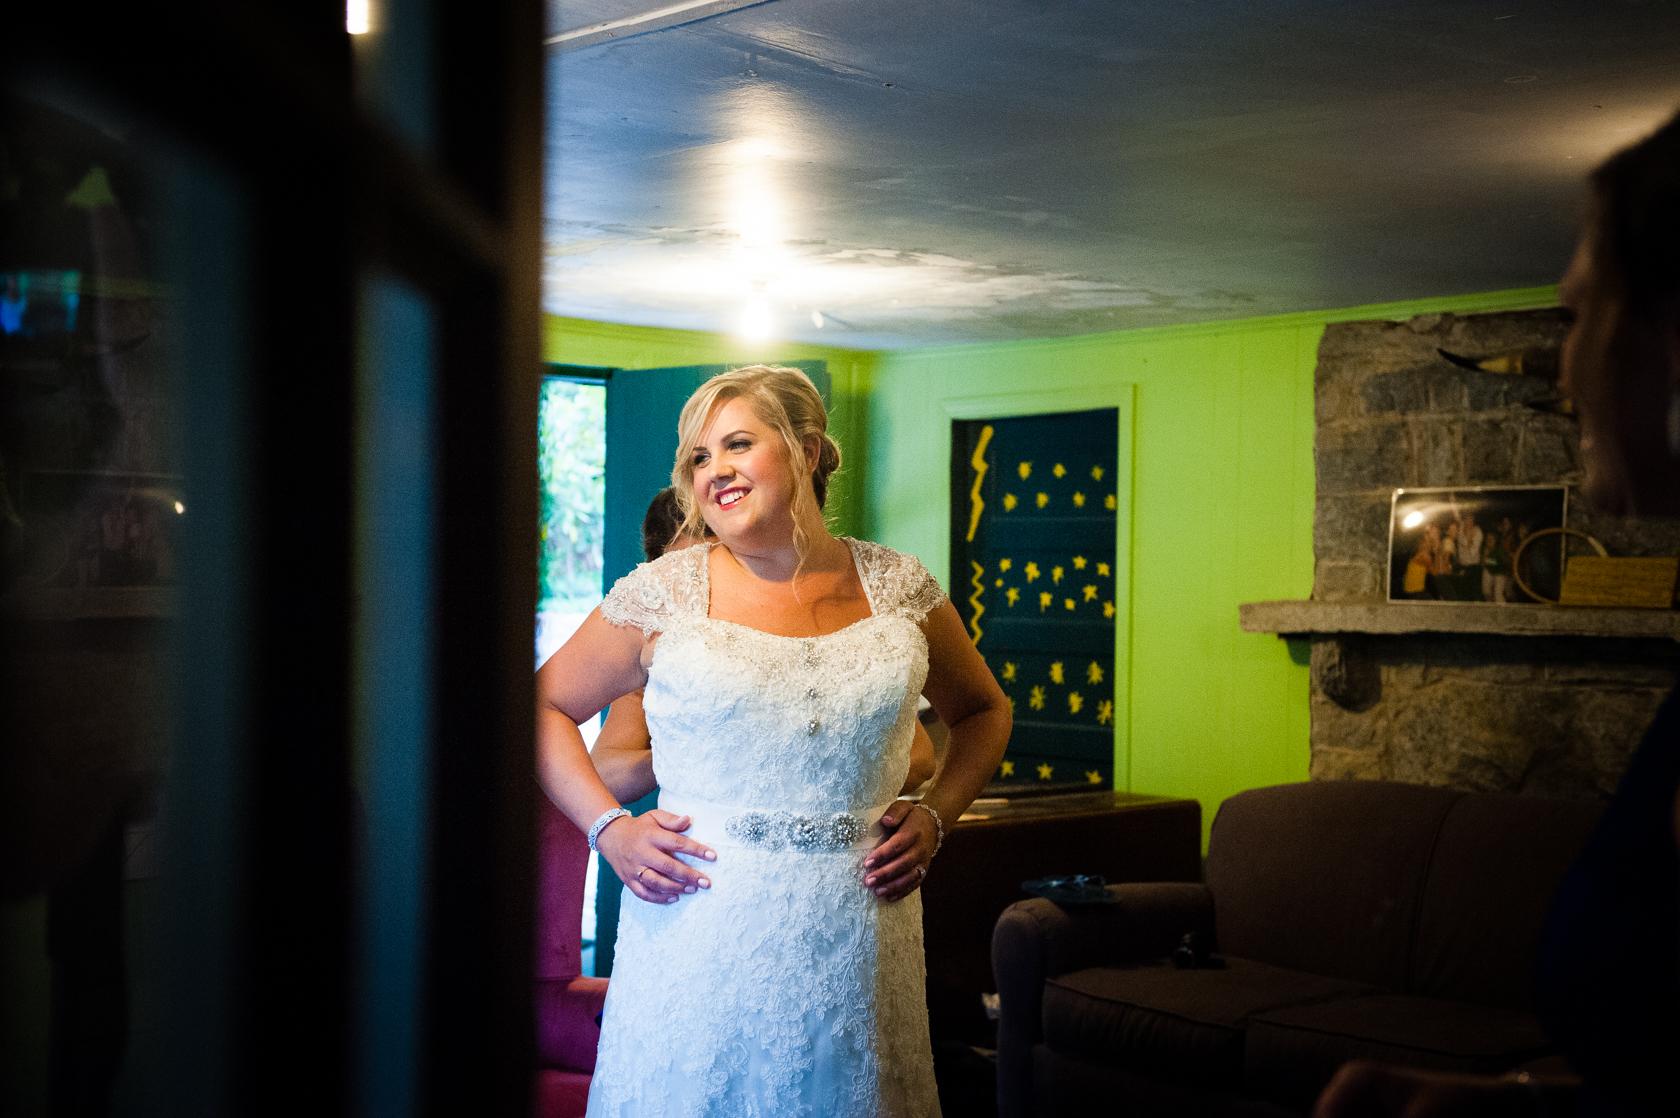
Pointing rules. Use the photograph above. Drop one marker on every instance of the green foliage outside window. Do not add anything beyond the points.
(571, 433)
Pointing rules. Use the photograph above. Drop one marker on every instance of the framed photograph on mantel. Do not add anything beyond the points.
(1458, 545)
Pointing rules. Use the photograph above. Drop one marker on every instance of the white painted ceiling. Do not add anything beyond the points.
(927, 172)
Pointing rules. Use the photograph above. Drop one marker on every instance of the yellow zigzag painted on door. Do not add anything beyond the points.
(976, 503)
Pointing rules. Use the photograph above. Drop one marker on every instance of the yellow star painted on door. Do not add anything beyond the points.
(1105, 711)
(1024, 469)
(1044, 597)
(1009, 768)
(1008, 672)
(1102, 569)
(1045, 772)
(1012, 594)
(1108, 502)
(1032, 570)
(1055, 576)
(1067, 602)
(1108, 609)
(1058, 470)
(1078, 499)
(1090, 591)
(1009, 502)
(1075, 702)
(999, 584)
(1005, 564)
(1093, 776)
(1056, 672)
(1042, 499)
(1079, 562)
(1096, 473)
(1093, 672)
(1011, 699)
(1036, 699)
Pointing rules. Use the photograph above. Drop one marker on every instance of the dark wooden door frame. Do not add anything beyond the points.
(260, 98)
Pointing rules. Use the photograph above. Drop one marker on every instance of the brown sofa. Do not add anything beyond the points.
(1355, 919)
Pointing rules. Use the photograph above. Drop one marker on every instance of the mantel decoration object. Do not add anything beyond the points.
(1523, 551)
(1632, 583)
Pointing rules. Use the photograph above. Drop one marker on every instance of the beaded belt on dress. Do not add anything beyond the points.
(805, 832)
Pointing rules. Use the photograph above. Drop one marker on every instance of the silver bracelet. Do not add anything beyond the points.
(939, 826)
(601, 823)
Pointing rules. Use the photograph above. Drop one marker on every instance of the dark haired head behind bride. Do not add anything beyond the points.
(777, 966)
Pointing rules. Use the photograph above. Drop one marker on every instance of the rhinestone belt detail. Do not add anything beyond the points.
(777, 830)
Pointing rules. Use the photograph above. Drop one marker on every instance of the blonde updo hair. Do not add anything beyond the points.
(790, 404)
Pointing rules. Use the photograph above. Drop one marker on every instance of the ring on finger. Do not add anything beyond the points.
(923, 871)
(640, 872)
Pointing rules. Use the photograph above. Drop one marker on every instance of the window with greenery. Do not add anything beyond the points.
(572, 449)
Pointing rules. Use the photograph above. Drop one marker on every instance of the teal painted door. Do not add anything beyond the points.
(642, 410)
(1033, 508)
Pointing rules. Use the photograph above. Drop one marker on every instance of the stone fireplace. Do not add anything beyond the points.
(1534, 699)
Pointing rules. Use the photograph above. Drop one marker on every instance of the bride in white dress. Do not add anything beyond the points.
(776, 967)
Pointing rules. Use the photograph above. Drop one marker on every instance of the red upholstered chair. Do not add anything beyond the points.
(567, 1004)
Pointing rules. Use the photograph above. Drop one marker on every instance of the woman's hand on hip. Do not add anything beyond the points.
(897, 866)
(642, 851)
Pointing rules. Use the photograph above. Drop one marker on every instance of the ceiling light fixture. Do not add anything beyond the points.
(356, 16)
(755, 319)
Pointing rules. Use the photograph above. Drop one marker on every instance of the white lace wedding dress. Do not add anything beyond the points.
(787, 988)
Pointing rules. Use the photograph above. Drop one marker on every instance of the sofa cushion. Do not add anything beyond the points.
(1292, 1052)
(1182, 1024)
(1498, 860)
(1325, 876)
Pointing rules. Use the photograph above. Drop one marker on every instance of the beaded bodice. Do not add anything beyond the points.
(740, 716)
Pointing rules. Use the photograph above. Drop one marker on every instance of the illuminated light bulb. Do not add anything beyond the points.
(179, 507)
(755, 320)
(1413, 519)
(356, 16)
(817, 319)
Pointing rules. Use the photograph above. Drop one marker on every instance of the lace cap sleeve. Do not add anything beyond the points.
(898, 583)
(922, 592)
(654, 594)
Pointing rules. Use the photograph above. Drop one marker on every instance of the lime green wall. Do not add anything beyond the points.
(576, 341)
(1222, 492)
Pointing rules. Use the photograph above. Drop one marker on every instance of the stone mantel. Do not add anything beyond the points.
(1549, 701)
(1305, 618)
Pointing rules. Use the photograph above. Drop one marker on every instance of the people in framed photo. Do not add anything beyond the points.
(1463, 544)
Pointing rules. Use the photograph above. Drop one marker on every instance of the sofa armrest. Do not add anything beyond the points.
(1036, 940)
(567, 1033)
